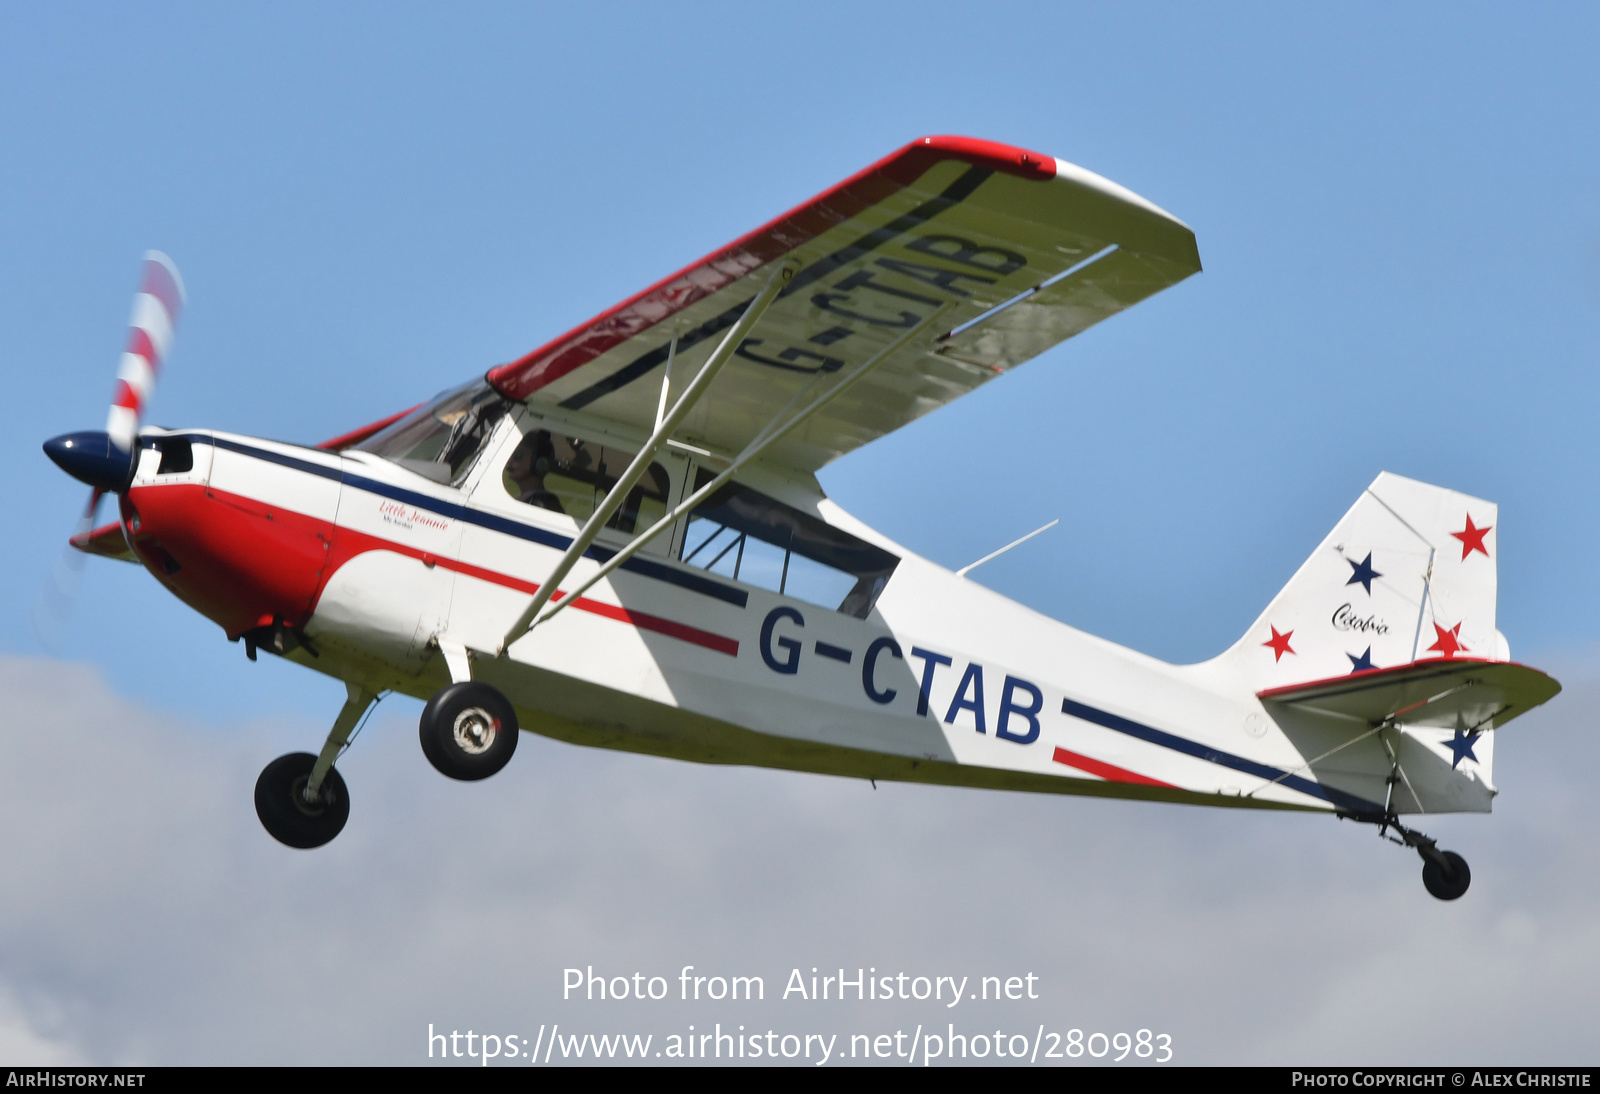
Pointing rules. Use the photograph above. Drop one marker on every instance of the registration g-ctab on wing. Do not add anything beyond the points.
(990, 253)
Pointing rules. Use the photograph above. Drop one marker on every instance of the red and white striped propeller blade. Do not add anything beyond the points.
(155, 317)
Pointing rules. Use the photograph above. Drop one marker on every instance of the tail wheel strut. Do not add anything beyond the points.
(1445, 874)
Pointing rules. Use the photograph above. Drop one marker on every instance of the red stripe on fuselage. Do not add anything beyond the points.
(645, 622)
(1109, 772)
(642, 620)
(243, 562)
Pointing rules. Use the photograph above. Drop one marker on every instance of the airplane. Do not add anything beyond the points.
(619, 540)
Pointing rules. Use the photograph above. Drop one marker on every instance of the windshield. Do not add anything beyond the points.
(440, 440)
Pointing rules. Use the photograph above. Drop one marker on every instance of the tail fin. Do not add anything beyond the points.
(1407, 575)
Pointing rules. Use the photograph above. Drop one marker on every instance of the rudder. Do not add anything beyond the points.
(1408, 574)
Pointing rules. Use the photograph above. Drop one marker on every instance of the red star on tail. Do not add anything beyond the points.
(1279, 644)
(1472, 539)
(1449, 641)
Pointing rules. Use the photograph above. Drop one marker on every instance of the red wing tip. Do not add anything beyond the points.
(993, 154)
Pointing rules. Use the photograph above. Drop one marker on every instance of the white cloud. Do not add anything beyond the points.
(146, 918)
(21, 1042)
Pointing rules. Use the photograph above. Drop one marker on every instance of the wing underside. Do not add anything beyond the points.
(106, 541)
(987, 254)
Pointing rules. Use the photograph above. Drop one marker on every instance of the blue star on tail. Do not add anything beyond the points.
(1364, 573)
(1461, 745)
(1362, 663)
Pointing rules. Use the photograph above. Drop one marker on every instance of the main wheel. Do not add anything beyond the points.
(1446, 882)
(469, 731)
(284, 811)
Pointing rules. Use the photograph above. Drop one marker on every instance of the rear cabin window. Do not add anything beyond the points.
(745, 535)
(572, 476)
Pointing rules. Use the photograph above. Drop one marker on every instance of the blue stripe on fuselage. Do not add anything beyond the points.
(493, 522)
(1217, 756)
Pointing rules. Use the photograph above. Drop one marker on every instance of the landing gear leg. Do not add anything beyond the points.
(300, 798)
(1444, 873)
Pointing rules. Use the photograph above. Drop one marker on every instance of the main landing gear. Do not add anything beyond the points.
(1444, 873)
(469, 731)
(294, 816)
(300, 798)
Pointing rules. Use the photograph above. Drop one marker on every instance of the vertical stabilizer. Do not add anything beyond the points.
(1408, 574)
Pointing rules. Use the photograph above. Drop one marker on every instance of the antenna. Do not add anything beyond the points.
(996, 554)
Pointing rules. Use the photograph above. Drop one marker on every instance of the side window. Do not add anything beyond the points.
(571, 476)
(750, 537)
(177, 456)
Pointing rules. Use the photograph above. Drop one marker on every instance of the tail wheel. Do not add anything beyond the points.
(286, 813)
(1446, 880)
(468, 731)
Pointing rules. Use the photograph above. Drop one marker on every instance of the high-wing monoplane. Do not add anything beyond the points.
(619, 540)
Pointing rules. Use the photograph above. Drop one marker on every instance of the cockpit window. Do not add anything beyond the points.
(177, 456)
(572, 476)
(761, 541)
(440, 441)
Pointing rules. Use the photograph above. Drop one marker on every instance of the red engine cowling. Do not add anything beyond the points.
(237, 561)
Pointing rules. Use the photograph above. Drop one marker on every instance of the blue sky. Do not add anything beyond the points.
(369, 203)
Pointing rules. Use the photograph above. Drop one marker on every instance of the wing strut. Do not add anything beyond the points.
(666, 382)
(641, 463)
(770, 434)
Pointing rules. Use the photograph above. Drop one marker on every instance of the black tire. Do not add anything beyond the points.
(1446, 882)
(468, 731)
(284, 812)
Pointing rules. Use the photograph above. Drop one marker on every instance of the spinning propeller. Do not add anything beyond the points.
(106, 460)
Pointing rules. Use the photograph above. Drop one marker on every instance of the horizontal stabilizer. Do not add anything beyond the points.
(106, 541)
(1460, 693)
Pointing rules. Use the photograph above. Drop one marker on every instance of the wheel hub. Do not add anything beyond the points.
(475, 730)
(312, 805)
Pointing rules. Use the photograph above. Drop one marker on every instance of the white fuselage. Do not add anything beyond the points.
(943, 681)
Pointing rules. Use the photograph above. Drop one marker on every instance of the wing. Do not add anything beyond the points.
(356, 436)
(1440, 693)
(997, 253)
(106, 541)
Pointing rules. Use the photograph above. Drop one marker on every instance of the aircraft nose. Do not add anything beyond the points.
(92, 458)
